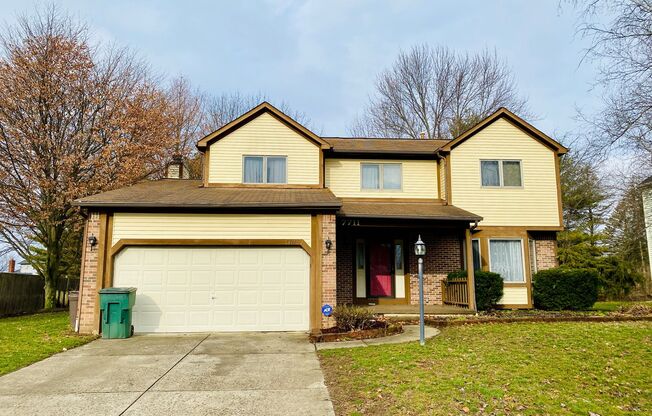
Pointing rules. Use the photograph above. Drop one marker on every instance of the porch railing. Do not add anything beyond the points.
(456, 292)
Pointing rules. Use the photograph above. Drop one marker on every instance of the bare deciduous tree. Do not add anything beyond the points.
(620, 32)
(74, 120)
(224, 108)
(436, 91)
(187, 115)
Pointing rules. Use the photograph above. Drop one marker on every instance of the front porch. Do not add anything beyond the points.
(376, 266)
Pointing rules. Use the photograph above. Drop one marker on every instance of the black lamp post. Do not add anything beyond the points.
(420, 251)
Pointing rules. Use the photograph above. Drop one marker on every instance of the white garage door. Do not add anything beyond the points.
(194, 289)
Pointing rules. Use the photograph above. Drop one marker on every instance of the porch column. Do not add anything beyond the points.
(470, 277)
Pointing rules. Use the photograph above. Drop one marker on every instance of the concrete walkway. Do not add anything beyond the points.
(226, 374)
(410, 333)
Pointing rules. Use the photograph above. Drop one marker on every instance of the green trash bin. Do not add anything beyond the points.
(115, 311)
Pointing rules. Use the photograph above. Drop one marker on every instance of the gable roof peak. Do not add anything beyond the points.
(504, 112)
(263, 107)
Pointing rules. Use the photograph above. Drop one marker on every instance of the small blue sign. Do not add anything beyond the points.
(327, 310)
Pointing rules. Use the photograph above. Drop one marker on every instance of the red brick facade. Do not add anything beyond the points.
(328, 267)
(88, 275)
(546, 250)
(345, 248)
(443, 255)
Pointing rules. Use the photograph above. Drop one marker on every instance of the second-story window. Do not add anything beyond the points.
(499, 173)
(264, 169)
(380, 176)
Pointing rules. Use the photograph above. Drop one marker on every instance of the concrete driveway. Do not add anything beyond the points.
(198, 374)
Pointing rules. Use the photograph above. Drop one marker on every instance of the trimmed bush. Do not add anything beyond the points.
(353, 318)
(488, 288)
(565, 289)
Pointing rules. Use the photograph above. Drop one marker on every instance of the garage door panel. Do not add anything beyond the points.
(248, 277)
(154, 257)
(271, 298)
(294, 297)
(200, 297)
(272, 277)
(184, 289)
(272, 257)
(247, 318)
(201, 257)
(249, 258)
(178, 257)
(178, 277)
(200, 277)
(225, 277)
(175, 298)
(152, 277)
(248, 297)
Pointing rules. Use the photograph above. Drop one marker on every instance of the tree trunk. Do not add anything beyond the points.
(52, 266)
(50, 294)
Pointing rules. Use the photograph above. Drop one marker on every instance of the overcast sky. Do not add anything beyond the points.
(322, 57)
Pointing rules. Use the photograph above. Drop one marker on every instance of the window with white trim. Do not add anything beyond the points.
(264, 169)
(506, 259)
(501, 173)
(381, 176)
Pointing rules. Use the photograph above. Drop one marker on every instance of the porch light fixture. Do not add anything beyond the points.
(92, 240)
(420, 247)
(420, 251)
(329, 244)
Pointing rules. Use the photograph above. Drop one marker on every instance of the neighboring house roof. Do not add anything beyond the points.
(264, 107)
(516, 120)
(180, 193)
(384, 146)
(396, 208)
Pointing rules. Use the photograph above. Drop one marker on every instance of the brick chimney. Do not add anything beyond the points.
(11, 267)
(176, 168)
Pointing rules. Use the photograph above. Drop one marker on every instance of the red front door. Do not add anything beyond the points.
(380, 270)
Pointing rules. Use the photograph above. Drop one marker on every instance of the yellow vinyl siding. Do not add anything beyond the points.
(266, 136)
(514, 296)
(533, 204)
(419, 179)
(211, 226)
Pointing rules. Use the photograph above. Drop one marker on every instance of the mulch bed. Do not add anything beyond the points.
(379, 329)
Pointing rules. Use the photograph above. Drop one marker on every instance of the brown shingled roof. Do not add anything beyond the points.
(371, 145)
(176, 193)
(427, 210)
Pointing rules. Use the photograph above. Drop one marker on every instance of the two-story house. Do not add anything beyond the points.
(285, 221)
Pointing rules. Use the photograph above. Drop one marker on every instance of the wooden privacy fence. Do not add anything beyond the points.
(456, 292)
(25, 293)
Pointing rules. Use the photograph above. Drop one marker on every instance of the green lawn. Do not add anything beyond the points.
(27, 339)
(524, 368)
